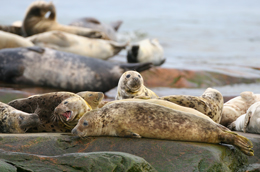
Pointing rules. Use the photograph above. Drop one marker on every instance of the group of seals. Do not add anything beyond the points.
(143, 119)
(131, 84)
(16, 121)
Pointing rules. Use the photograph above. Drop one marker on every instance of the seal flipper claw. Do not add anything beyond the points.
(127, 133)
(39, 50)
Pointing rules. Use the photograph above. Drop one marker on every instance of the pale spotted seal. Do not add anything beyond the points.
(142, 119)
(210, 103)
(16, 121)
(9, 40)
(58, 111)
(237, 106)
(148, 50)
(130, 85)
(249, 122)
(51, 68)
(62, 41)
(36, 22)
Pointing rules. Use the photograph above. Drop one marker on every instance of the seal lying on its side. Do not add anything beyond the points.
(47, 67)
(58, 111)
(16, 121)
(238, 106)
(210, 103)
(62, 41)
(142, 119)
(9, 40)
(130, 85)
(35, 22)
(249, 122)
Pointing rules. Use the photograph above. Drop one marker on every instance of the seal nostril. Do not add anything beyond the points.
(74, 131)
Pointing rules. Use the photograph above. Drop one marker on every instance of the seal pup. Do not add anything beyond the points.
(35, 22)
(238, 106)
(51, 68)
(210, 103)
(93, 23)
(142, 119)
(16, 121)
(130, 85)
(249, 122)
(62, 41)
(148, 50)
(9, 40)
(94, 99)
(58, 111)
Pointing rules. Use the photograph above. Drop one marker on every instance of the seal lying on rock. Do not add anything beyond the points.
(16, 121)
(93, 23)
(47, 67)
(142, 119)
(62, 41)
(249, 122)
(148, 50)
(130, 85)
(58, 111)
(9, 40)
(210, 103)
(237, 106)
(35, 22)
(92, 98)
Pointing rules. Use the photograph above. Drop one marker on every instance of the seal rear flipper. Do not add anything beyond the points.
(139, 67)
(132, 54)
(12, 29)
(115, 25)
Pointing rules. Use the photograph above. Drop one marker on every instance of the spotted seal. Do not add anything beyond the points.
(35, 22)
(50, 68)
(142, 119)
(238, 106)
(210, 103)
(62, 41)
(9, 40)
(16, 121)
(130, 85)
(58, 111)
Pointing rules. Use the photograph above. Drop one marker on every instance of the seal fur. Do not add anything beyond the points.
(130, 85)
(9, 40)
(94, 99)
(142, 119)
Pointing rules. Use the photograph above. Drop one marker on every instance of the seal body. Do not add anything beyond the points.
(130, 85)
(62, 41)
(238, 106)
(9, 40)
(148, 50)
(16, 121)
(142, 119)
(58, 111)
(93, 23)
(51, 68)
(35, 22)
(210, 103)
(249, 122)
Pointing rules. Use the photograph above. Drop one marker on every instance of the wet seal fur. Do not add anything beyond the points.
(209, 103)
(62, 41)
(35, 22)
(130, 85)
(58, 111)
(51, 68)
(142, 119)
(238, 106)
(9, 40)
(148, 50)
(16, 121)
(94, 99)
(249, 122)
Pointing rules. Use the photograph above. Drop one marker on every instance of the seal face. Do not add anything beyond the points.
(238, 106)
(210, 103)
(16, 121)
(58, 111)
(130, 85)
(148, 50)
(142, 119)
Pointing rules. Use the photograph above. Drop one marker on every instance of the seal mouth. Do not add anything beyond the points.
(67, 115)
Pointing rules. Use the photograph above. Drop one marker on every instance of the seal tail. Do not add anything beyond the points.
(139, 67)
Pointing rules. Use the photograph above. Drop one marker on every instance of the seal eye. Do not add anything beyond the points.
(85, 123)
(21, 117)
(139, 76)
(65, 102)
(128, 76)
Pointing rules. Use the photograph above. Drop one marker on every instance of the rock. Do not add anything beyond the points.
(163, 155)
(97, 161)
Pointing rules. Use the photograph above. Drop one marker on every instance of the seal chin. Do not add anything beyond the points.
(67, 115)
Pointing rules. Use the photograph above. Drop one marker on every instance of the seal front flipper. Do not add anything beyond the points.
(247, 120)
(37, 49)
(139, 67)
(128, 133)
